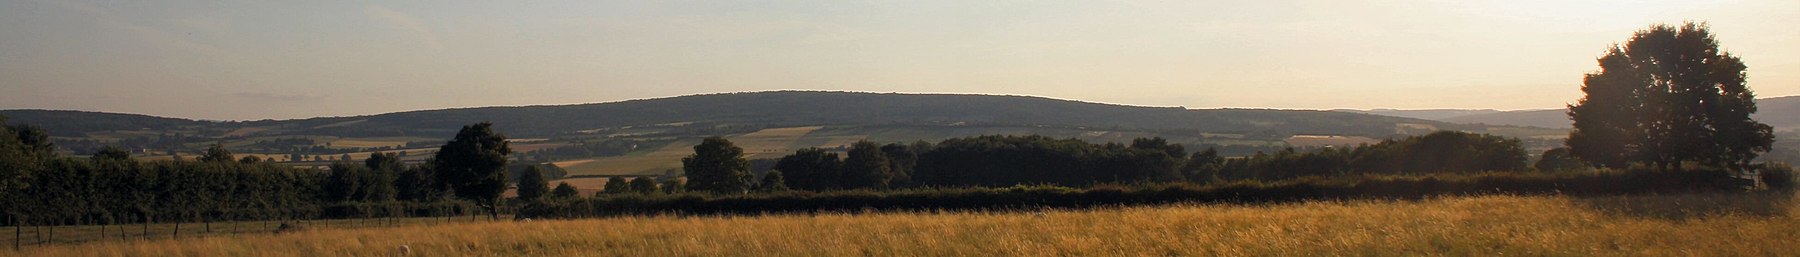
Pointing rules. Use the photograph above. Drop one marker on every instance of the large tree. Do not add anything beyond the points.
(1667, 96)
(473, 165)
(717, 166)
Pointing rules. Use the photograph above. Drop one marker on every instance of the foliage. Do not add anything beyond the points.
(1667, 96)
(717, 166)
(473, 164)
(643, 185)
(772, 182)
(564, 191)
(217, 153)
(1558, 159)
(866, 166)
(615, 185)
(532, 185)
(1778, 176)
(811, 169)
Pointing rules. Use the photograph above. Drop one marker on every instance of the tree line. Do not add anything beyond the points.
(718, 166)
(38, 187)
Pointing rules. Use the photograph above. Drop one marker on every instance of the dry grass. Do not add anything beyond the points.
(1485, 225)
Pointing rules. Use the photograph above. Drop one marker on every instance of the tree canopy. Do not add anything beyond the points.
(717, 166)
(473, 165)
(1667, 96)
(532, 185)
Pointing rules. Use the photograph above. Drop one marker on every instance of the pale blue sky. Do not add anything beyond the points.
(292, 59)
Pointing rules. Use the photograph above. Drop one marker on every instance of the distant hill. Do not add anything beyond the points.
(1429, 114)
(1548, 118)
(77, 123)
(1781, 112)
(781, 109)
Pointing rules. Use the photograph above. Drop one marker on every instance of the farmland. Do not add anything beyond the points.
(1708, 224)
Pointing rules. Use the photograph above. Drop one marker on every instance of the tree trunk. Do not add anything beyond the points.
(18, 232)
(52, 235)
(146, 233)
(102, 233)
(493, 212)
(208, 222)
(177, 233)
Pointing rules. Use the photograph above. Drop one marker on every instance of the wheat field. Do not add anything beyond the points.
(1680, 225)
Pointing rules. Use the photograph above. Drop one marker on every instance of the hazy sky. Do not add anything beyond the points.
(291, 59)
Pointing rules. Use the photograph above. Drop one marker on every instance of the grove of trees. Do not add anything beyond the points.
(999, 161)
(109, 188)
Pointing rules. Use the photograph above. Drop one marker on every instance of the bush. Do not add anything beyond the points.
(1778, 176)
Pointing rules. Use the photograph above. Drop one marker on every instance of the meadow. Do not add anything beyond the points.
(1707, 224)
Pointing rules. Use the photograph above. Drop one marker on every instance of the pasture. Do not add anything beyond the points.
(637, 163)
(766, 143)
(1667, 225)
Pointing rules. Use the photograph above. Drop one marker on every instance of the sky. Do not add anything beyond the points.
(251, 60)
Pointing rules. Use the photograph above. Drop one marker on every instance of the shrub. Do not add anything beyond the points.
(1778, 176)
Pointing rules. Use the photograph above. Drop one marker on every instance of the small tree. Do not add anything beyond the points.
(112, 153)
(615, 185)
(1558, 159)
(564, 191)
(532, 185)
(217, 154)
(672, 185)
(772, 182)
(643, 186)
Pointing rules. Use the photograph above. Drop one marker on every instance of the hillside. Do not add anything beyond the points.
(782, 109)
(77, 123)
(1429, 114)
(1547, 118)
(1781, 112)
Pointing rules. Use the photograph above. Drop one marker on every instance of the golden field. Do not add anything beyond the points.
(1680, 225)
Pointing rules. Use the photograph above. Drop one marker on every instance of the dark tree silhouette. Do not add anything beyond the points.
(615, 185)
(811, 169)
(564, 191)
(1667, 96)
(532, 185)
(866, 166)
(217, 154)
(473, 165)
(643, 185)
(717, 166)
(772, 182)
(112, 153)
(1558, 159)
